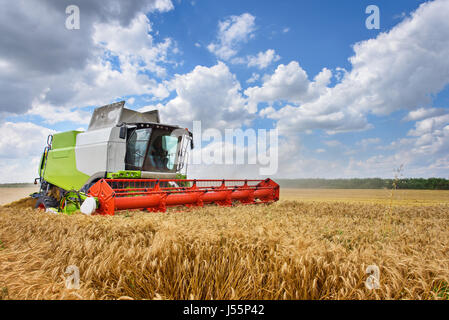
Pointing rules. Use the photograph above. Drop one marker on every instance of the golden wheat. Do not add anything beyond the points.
(289, 250)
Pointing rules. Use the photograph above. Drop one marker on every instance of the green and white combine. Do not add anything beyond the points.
(129, 160)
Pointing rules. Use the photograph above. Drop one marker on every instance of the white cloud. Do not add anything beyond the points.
(430, 125)
(101, 82)
(21, 145)
(211, 95)
(289, 83)
(22, 139)
(400, 69)
(261, 60)
(369, 141)
(52, 114)
(254, 77)
(133, 44)
(423, 113)
(293, 162)
(216, 151)
(419, 161)
(21, 170)
(98, 85)
(332, 143)
(162, 6)
(231, 33)
(297, 162)
(33, 68)
(424, 152)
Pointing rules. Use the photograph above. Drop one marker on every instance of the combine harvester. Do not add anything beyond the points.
(129, 160)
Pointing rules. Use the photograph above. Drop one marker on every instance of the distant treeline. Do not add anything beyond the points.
(369, 183)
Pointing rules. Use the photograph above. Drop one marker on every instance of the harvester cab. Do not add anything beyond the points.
(145, 145)
(129, 160)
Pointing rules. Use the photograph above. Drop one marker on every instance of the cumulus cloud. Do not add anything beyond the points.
(289, 83)
(209, 94)
(403, 68)
(423, 113)
(21, 145)
(433, 125)
(369, 141)
(231, 33)
(52, 72)
(22, 139)
(133, 44)
(399, 69)
(56, 63)
(261, 60)
(254, 77)
(100, 81)
(332, 143)
(423, 152)
(293, 162)
(52, 114)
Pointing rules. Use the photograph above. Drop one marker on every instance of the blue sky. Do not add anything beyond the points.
(347, 101)
(321, 33)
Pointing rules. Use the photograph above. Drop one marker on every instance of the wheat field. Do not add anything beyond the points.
(292, 249)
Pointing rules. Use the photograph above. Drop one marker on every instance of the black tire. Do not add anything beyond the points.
(45, 202)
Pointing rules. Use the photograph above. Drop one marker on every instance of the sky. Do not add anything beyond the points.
(346, 101)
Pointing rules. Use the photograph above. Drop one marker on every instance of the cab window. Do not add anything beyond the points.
(136, 148)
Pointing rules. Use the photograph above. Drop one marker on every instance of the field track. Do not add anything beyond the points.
(8, 195)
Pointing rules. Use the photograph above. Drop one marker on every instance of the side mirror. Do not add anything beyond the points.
(122, 134)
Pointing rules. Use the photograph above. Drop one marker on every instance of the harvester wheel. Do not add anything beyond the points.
(45, 202)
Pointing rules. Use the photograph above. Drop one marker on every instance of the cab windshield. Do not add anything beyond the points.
(151, 149)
